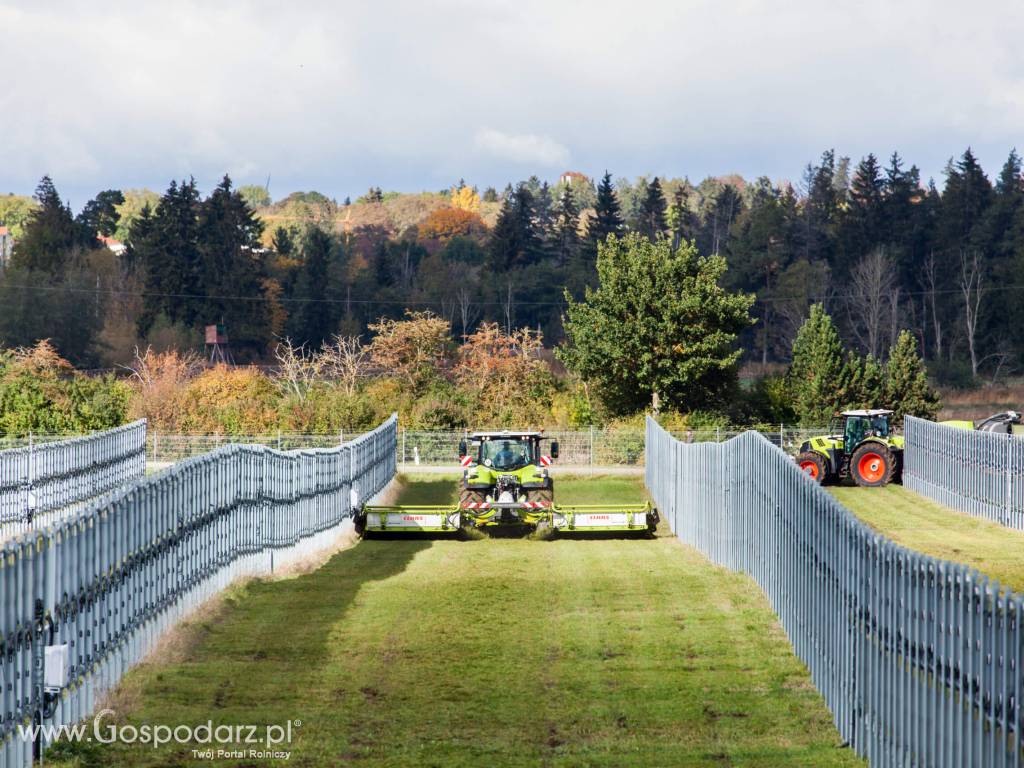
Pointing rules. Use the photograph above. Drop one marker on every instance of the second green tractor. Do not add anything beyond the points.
(859, 445)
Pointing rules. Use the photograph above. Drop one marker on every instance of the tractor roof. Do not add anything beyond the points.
(868, 412)
(505, 433)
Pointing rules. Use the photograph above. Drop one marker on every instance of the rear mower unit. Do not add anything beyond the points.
(506, 482)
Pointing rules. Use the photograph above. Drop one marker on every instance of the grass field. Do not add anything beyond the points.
(495, 652)
(919, 523)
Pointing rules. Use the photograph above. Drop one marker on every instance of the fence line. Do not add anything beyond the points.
(917, 658)
(39, 478)
(590, 447)
(981, 473)
(99, 588)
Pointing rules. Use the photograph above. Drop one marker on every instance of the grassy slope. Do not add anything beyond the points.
(921, 524)
(501, 652)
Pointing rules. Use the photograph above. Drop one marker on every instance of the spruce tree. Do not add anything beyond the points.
(681, 221)
(607, 218)
(816, 373)
(100, 216)
(51, 234)
(314, 316)
(566, 227)
(873, 390)
(171, 263)
(652, 211)
(232, 269)
(906, 382)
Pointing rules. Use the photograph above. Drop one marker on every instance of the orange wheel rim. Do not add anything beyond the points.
(871, 467)
(810, 468)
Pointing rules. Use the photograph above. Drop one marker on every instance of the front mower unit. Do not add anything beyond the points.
(506, 482)
(579, 518)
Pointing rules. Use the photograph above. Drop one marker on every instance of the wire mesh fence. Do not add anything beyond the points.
(86, 598)
(981, 473)
(917, 658)
(38, 478)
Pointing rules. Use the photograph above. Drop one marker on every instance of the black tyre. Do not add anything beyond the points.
(872, 465)
(813, 464)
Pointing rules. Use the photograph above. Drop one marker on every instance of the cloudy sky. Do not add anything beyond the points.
(338, 96)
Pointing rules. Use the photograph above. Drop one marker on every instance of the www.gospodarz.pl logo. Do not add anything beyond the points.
(218, 741)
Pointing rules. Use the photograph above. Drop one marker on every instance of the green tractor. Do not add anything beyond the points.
(859, 445)
(505, 475)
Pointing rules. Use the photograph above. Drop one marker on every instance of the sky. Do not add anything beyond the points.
(409, 96)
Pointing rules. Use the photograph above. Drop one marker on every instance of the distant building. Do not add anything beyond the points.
(114, 245)
(569, 176)
(6, 246)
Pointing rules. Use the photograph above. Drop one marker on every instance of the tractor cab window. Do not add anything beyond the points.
(857, 428)
(506, 453)
(880, 426)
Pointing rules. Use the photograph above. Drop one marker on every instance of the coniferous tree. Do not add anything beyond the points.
(315, 312)
(566, 228)
(607, 218)
(173, 272)
(232, 269)
(652, 211)
(51, 234)
(817, 369)
(681, 221)
(906, 381)
(514, 241)
(100, 216)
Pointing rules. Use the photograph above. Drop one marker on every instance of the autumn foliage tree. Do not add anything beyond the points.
(505, 375)
(416, 349)
(446, 223)
(466, 199)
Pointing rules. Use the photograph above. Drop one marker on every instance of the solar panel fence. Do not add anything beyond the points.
(99, 588)
(917, 658)
(38, 478)
(981, 473)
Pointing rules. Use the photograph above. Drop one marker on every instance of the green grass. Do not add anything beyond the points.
(921, 524)
(499, 652)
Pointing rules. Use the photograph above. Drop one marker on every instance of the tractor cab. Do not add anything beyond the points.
(506, 451)
(856, 426)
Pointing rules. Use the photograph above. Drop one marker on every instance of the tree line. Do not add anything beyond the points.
(880, 249)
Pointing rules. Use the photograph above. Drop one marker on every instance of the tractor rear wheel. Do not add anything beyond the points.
(872, 465)
(468, 496)
(812, 464)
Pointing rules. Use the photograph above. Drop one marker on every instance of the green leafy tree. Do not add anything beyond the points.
(906, 381)
(659, 328)
(254, 195)
(817, 373)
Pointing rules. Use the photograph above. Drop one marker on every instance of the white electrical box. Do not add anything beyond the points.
(55, 667)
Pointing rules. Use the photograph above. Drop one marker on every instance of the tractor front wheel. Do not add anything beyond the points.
(872, 465)
(812, 464)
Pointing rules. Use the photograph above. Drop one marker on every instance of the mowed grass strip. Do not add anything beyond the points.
(500, 652)
(921, 524)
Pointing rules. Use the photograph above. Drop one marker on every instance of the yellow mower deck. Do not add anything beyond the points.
(560, 517)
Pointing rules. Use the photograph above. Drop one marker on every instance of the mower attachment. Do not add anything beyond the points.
(572, 517)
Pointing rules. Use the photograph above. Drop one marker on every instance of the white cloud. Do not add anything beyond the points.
(415, 94)
(524, 148)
